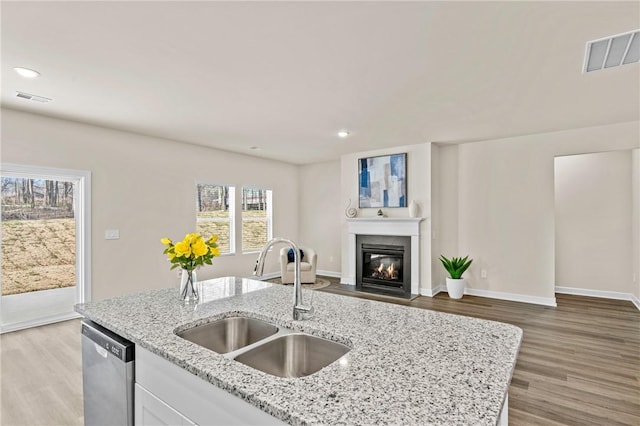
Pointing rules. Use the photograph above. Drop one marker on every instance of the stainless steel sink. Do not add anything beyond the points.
(229, 334)
(293, 355)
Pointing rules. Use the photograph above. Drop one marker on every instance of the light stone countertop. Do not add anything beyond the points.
(406, 365)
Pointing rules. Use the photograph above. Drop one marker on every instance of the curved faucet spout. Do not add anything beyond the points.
(298, 308)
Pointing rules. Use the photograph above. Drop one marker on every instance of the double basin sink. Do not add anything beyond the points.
(274, 350)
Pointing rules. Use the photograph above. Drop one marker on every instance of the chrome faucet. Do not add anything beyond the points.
(298, 308)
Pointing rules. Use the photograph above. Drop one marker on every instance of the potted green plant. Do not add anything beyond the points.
(456, 267)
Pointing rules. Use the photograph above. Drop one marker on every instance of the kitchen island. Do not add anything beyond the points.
(405, 366)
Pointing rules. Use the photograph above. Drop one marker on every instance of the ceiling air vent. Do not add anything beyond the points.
(31, 97)
(620, 49)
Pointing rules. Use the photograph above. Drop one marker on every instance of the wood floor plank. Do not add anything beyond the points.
(517, 417)
(560, 411)
(41, 376)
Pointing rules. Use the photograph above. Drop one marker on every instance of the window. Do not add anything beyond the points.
(214, 214)
(256, 218)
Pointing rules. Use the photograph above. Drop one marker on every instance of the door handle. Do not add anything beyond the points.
(102, 351)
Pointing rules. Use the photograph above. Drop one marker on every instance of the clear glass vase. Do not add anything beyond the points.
(188, 289)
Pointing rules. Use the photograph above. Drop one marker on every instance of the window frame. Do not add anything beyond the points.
(269, 218)
(232, 214)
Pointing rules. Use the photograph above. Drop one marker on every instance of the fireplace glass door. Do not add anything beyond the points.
(382, 265)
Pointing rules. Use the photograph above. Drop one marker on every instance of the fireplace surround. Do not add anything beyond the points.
(401, 226)
(383, 264)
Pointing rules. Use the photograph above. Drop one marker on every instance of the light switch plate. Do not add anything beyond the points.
(112, 234)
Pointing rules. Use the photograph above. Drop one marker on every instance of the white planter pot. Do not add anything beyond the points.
(455, 287)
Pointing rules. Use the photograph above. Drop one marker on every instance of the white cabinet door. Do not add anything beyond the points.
(201, 401)
(504, 414)
(151, 411)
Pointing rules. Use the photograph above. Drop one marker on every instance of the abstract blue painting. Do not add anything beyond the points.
(383, 181)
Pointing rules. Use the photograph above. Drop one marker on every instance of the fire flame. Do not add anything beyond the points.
(386, 273)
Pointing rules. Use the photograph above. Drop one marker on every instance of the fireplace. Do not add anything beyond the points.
(383, 264)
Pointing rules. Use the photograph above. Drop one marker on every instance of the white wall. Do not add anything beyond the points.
(593, 221)
(436, 218)
(496, 199)
(145, 187)
(418, 188)
(321, 210)
(505, 204)
(635, 221)
(444, 232)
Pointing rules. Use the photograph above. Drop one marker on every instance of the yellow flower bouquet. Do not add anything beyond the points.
(192, 252)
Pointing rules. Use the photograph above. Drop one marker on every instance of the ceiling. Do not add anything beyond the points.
(286, 76)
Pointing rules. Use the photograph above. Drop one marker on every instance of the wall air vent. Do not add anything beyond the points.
(31, 97)
(608, 52)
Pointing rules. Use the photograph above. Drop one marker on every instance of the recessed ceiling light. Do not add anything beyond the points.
(343, 134)
(26, 72)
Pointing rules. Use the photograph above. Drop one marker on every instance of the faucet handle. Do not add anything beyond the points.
(307, 311)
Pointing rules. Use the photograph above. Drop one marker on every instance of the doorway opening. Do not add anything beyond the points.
(45, 244)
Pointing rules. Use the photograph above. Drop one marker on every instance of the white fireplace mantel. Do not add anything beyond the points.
(384, 225)
(400, 226)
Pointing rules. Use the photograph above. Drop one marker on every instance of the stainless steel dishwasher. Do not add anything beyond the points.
(107, 376)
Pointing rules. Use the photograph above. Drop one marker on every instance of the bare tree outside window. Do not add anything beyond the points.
(256, 218)
(38, 235)
(214, 214)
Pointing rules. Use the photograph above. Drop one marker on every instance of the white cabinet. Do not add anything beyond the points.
(504, 414)
(177, 397)
(151, 411)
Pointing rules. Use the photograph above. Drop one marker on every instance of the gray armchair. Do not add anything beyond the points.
(307, 266)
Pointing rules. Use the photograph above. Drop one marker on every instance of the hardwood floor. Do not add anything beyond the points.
(579, 363)
(41, 376)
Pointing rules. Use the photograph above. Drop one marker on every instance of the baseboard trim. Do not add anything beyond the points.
(332, 274)
(430, 292)
(599, 293)
(536, 300)
(546, 301)
(37, 323)
(594, 293)
(636, 301)
(348, 280)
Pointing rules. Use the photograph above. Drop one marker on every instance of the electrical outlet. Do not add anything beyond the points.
(483, 273)
(330, 259)
(112, 234)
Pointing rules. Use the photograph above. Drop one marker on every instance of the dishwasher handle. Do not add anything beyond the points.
(113, 344)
